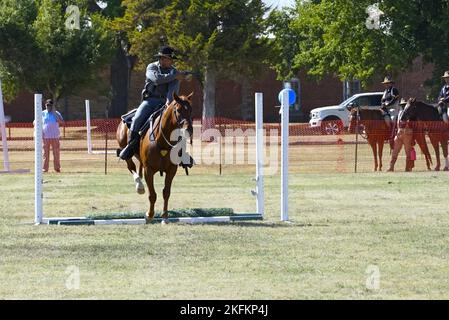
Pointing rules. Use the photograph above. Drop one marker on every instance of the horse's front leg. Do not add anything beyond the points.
(149, 178)
(380, 153)
(137, 177)
(436, 147)
(374, 148)
(170, 174)
(445, 152)
(421, 141)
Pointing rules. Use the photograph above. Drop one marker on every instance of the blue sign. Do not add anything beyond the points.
(291, 96)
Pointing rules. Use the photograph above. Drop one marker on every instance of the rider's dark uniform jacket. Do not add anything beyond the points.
(391, 95)
(444, 94)
(160, 82)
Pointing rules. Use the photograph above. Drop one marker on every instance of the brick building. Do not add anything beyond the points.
(329, 91)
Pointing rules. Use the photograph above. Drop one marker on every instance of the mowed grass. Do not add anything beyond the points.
(342, 224)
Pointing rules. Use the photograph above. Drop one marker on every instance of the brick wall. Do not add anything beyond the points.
(329, 91)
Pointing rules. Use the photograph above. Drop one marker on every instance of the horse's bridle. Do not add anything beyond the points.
(178, 122)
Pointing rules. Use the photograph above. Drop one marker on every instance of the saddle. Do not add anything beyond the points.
(442, 111)
(187, 160)
(128, 118)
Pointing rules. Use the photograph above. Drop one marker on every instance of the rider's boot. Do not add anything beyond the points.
(386, 116)
(131, 148)
(445, 117)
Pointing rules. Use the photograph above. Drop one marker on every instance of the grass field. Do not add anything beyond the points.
(342, 226)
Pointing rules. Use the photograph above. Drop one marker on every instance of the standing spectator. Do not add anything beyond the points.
(404, 138)
(50, 131)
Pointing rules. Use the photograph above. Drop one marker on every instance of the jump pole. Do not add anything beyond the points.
(259, 192)
(284, 154)
(3, 132)
(38, 193)
(89, 133)
(259, 154)
(88, 128)
(6, 163)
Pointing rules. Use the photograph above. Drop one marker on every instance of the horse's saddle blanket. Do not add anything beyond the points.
(128, 118)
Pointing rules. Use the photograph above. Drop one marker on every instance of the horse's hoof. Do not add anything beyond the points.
(140, 190)
(446, 168)
(148, 219)
(437, 169)
(164, 222)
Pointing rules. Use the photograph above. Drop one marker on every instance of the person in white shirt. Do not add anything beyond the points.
(51, 135)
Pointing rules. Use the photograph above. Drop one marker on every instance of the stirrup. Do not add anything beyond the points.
(128, 152)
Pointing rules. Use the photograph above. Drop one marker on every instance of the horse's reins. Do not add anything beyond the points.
(160, 126)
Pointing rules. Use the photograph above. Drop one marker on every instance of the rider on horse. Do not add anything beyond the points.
(389, 99)
(162, 80)
(443, 98)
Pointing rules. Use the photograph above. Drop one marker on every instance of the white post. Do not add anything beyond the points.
(259, 153)
(3, 133)
(89, 141)
(38, 194)
(284, 154)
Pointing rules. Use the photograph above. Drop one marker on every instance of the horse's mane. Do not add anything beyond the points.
(420, 104)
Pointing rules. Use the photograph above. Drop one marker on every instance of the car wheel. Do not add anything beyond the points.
(332, 126)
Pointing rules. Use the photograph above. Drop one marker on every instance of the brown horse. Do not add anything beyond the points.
(376, 129)
(428, 119)
(377, 132)
(162, 154)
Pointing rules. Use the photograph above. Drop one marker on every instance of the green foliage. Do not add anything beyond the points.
(227, 34)
(39, 53)
(331, 37)
(175, 213)
(284, 42)
(336, 40)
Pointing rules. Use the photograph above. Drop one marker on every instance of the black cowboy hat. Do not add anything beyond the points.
(166, 51)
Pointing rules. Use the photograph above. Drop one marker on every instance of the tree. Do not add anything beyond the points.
(214, 37)
(425, 25)
(42, 49)
(344, 38)
(284, 42)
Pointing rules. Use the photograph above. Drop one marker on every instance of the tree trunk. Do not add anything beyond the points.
(247, 111)
(209, 96)
(120, 78)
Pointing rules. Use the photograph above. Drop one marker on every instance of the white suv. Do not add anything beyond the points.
(333, 119)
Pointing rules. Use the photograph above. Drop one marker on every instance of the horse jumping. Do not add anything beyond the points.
(162, 154)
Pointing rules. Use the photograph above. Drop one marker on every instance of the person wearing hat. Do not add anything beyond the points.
(404, 137)
(443, 98)
(51, 134)
(162, 80)
(390, 99)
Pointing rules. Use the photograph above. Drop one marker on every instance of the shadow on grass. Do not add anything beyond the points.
(249, 224)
